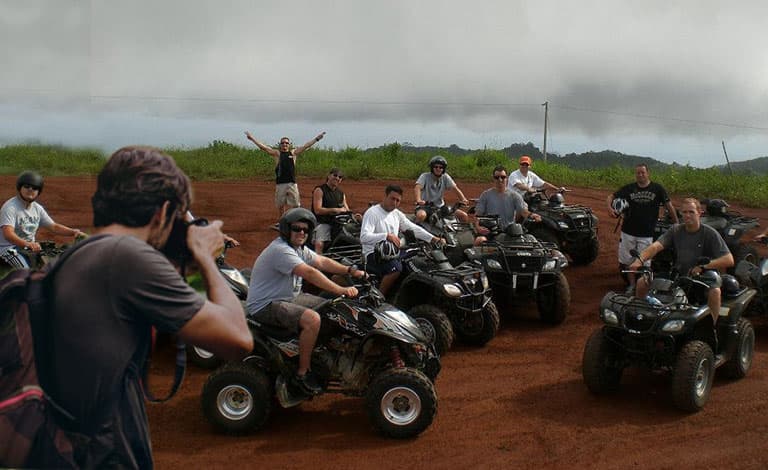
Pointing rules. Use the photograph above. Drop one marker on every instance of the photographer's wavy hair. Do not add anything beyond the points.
(135, 183)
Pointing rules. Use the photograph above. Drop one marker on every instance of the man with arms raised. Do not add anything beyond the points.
(111, 292)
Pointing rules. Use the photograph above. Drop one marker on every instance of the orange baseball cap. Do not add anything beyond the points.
(526, 159)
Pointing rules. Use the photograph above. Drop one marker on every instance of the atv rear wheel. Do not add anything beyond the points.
(401, 403)
(598, 364)
(202, 358)
(747, 253)
(553, 301)
(481, 327)
(693, 376)
(585, 254)
(435, 325)
(237, 398)
(738, 366)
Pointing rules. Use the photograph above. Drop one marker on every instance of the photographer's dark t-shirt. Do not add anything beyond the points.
(108, 295)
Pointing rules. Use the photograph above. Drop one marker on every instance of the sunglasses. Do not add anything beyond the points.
(524, 164)
(499, 177)
(341, 177)
(297, 229)
(29, 186)
(285, 142)
(439, 166)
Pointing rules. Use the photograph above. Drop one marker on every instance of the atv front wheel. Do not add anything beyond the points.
(202, 358)
(435, 325)
(693, 376)
(553, 301)
(237, 398)
(585, 254)
(599, 364)
(479, 328)
(738, 365)
(401, 403)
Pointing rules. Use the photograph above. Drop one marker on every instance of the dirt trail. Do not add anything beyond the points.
(518, 402)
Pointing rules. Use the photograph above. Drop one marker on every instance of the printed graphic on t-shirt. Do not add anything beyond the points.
(643, 197)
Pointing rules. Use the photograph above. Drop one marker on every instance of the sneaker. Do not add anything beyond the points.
(309, 383)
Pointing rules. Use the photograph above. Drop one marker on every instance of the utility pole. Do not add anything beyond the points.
(546, 111)
(730, 170)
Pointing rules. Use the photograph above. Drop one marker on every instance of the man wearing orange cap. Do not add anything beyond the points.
(525, 181)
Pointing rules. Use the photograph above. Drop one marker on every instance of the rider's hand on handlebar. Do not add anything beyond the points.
(421, 202)
(349, 291)
(34, 247)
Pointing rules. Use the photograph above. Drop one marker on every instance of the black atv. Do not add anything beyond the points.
(345, 231)
(445, 300)
(755, 276)
(365, 348)
(731, 225)
(519, 265)
(573, 227)
(49, 252)
(672, 330)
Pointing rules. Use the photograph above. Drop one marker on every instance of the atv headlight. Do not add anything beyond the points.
(484, 281)
(673, 326)
(452, 290)
(549, 265)
(610, 317)
(563, 224)
(493, 264)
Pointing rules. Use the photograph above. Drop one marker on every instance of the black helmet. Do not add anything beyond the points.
(31, 178)
(716, 207)
(514, 230)
(556, 200)
(730, 285)
(385, 251)
(438, 160)
(298, 214)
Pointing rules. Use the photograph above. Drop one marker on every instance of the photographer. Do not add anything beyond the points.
(113, 290)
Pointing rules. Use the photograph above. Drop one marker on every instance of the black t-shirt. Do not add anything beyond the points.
(644, 206)
(107, 296)
(285, 171)
(332, 199)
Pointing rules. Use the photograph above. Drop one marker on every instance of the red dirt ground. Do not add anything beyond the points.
(518, 402)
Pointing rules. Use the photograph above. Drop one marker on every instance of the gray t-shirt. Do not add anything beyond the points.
(272, 276)
(689, 247)
(24, 220)
(432, 190)
(505, 205)
(108, 295)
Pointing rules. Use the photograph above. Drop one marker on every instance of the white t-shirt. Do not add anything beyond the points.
(24, 220)
(531, 180)
(377, 223)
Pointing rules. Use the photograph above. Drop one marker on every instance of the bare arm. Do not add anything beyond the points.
(60, 229)
(315, 277)
(266, 148)
(654, 249)
(671, 210)
(611, 212)
(417, 194)
(309, 144)
(220, 325)
(11, 236)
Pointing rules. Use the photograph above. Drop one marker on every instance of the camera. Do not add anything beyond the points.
(176, 249)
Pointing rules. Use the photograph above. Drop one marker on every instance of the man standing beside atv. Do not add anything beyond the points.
(502, 202)
(380, 237)
(431, 187)
(328, 200)
(21, 216)
(524, 180)
(691, 240)
(274, 293)
(643, 199)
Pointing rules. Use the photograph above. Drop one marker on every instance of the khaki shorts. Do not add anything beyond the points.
(286, 315)
(628, 242)
(287, 194)
(323, 233)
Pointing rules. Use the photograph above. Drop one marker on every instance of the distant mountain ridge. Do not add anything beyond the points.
(587, 160)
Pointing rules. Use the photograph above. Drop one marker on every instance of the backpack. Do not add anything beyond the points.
(30, 433)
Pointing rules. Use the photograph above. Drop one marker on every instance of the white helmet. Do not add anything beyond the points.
(385, 251)
(619, 205)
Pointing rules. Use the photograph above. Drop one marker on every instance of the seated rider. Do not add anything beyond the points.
(691, 240)
(21, 216)
(328, 200)
(502, 202)
(524, 181)
(274, 293)
(430, 188)
(379, 233)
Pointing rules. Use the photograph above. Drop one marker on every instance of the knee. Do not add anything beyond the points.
(420, 215)
(310, 320)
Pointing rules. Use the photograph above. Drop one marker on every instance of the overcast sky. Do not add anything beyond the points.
(665, 79)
